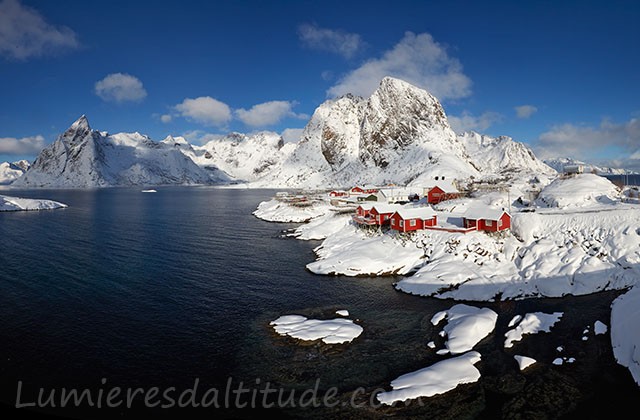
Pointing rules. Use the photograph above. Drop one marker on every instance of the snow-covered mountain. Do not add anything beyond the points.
(82, 157)
(559, 163)
(10, 171)
(398, 135)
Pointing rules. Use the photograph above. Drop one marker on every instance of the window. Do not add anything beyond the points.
(386, 217)
(412, 222)
(393, 222)
(500, 223)
(401, 223)
(489, 222)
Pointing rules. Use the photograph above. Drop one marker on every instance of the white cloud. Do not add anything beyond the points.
(205, 110)
(24, 146)
(416, 59)
(635, 155)
(201, 137)
(331, 40)
(120, 87)
(292, 135)
(469, 122)
(268, 113)
(166, 118)
(24, 33)
(525, 111)
(588, 142)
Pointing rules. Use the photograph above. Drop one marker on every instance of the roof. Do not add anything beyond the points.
(416, 213)
(484, 212)
(386, 208)
(446, 186)
(394, 192)
(366, 206)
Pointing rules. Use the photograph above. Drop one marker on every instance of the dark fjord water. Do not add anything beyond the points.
(125, 289)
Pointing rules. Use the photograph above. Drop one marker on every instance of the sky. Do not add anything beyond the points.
(561, 76)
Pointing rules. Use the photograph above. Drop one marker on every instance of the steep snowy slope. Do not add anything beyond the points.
(9, 172)
(82, 157)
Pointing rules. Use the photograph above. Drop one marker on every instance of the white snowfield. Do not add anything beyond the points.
(278, 211)
(436, 379)
(330, 331)
(323, 226)
(531, 323)
(625, 333)
(577, 191)
(466, 326)
(8, 203)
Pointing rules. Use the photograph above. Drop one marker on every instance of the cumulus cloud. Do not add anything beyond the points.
(587, 142)
(201, 137)
(205, 110)
(120, 87)
(292, 135)
(416, 59)
(166, 118)
(525, 111)
(24, 146)
(24, 33)
(331, 40)
(268, 113)
(469, 122)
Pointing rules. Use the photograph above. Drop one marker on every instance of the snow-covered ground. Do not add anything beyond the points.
(578, 191)
(280, 211)
(17, 204)
(322, 226)
(625, 334)
(466, 326)
(524, 361)
(330, 331)
(435, 379)
(531, 323)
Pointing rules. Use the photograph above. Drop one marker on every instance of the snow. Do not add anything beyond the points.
(330, 331)
(514, 320)
(149, 191)
(436, 379)
(599, 328)
(531, 323)
(10, 171)
(524, 361)
(352, 252)
(322, 226)
(578, 191)
(558, 361)
(466, 326)
(625, 334)
(431, 345)
(8, 203)
(342, 312)
(279, 211)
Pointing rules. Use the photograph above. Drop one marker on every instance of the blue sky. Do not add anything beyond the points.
(562, 76)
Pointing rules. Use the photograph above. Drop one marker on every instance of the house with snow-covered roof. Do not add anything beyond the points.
(363, 209)
(442, 190)
(487, 218)
(396, 194)
(412, 219)
(381, 212)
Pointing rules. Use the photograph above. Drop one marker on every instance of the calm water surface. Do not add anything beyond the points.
(156, 290)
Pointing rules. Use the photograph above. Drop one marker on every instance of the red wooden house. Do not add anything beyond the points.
(412, 219)
(364, 209)
(338, 193)
(357, 190)
(489, 219)
(382, 212)
(441, 192)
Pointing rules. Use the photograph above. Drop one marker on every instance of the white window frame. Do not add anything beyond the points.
(401, 223)
(488, 222)
(412, 222)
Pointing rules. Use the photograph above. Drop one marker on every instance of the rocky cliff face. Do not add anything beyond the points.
(82, 157)
(10, 171)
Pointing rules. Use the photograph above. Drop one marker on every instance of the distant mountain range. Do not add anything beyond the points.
(559, 163)
(10, 171)
(400, 135)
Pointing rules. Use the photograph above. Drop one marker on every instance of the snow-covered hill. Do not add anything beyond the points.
(398, 135)
(82, 158)
(10, 171)
(559, 163)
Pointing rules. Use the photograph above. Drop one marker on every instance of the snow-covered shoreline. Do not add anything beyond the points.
(8, 203)
(584, 245)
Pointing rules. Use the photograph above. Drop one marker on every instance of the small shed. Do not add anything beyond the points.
(412, 219)
(489, 219)
(363, 209)
(573, 169)
(338, 193)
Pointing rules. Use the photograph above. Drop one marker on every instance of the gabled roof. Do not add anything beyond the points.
(485, 212)
(446, 186)
(386, 208)
(367, 205)
(416, 213)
